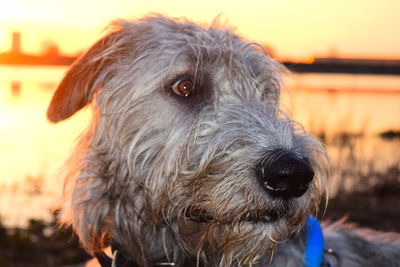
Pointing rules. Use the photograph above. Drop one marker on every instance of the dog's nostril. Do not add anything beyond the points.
(284, 174)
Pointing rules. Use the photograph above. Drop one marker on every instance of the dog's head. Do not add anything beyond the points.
(188, 152)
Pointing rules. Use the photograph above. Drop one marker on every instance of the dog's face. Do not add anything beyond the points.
(187, 146)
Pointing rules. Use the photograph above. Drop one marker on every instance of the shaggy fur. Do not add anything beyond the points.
(171, 177)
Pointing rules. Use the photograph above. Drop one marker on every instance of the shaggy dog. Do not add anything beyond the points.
(189, 159)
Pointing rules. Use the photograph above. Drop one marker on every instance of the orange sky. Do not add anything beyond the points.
(297, 29)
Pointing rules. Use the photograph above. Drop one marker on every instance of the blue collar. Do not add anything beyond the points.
(314, 251)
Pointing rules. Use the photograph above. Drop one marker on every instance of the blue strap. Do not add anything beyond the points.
(314, 251)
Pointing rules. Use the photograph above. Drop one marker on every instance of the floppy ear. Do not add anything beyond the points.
(84, 77)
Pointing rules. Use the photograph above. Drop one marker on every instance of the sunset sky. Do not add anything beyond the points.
(296, 29)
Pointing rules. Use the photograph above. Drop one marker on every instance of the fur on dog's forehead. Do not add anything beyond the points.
(214, 56)
(161, 33)
(184, 42)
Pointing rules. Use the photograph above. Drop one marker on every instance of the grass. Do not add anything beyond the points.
(364, 188)
(40, 244)
(372, 202)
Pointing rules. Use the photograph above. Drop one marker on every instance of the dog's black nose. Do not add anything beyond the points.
(284, 174)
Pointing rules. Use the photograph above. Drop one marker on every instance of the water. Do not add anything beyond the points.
(32, 150)
(342, 102)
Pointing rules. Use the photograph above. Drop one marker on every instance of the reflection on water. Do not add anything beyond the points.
(16, 88)
(345, 103)
(32, 150)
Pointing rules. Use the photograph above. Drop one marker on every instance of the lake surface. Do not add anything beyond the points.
(32, 150)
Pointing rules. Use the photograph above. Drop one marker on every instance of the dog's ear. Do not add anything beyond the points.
(84, 77)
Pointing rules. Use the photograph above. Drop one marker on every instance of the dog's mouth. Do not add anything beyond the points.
(201, 216)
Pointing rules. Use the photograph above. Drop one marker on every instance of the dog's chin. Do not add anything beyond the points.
(251, 217)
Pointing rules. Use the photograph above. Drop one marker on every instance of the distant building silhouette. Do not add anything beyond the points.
(16, 43)
(50, 56)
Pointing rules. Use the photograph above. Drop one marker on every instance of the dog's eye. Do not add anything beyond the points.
(183, 87)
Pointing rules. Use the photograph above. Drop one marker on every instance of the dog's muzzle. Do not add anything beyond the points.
(284, 174)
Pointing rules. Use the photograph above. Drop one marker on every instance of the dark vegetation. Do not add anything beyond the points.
(40, 244)
(374, 207)
(366, 191)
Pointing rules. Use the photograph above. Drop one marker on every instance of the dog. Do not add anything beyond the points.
(190, 160)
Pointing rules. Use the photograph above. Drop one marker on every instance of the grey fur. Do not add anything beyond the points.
(150, 157)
